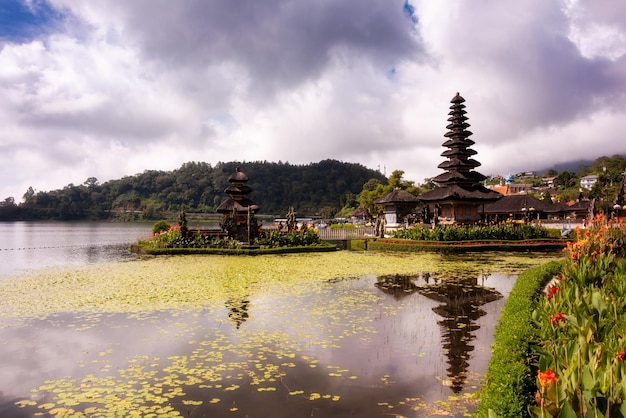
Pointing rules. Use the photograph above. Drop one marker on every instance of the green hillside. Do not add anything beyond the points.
(199, 187)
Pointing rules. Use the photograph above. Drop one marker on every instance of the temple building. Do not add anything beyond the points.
(398, 206)
(238, 211)
(459, 197)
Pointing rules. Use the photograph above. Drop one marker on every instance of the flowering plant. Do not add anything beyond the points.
(581, 330)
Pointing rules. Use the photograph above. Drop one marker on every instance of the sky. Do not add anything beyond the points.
(110, 88)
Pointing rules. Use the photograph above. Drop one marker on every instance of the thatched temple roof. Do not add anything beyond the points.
(460, 182)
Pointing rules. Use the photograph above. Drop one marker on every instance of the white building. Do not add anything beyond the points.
(587, 182)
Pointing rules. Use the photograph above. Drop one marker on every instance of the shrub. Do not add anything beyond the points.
(509, 384)
(160, 226)
(271, 239)
(501, 231)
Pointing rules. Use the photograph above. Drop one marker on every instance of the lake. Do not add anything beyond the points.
(276, 336)
(31, 245)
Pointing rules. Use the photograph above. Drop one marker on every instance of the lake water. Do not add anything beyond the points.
(369, 346)
(26, 246)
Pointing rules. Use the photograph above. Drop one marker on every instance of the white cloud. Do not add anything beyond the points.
(597, 28)
(121, 87)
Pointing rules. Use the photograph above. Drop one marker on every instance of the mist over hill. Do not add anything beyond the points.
(571, 166)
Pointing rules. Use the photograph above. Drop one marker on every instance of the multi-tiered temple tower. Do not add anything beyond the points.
(459, 195)
(238, 211)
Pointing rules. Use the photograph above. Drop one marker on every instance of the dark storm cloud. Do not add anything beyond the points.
(277, 43)
(558, 83)
(539, 75)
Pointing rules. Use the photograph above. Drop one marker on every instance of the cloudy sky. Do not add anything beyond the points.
(109, 88)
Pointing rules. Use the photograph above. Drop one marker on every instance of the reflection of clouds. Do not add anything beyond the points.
(403, 341)
(349, 325)
(503, 283)
(43, 350)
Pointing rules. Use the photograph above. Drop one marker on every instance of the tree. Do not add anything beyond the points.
(566, 180)
(327, 212)
(547, 197)
(29, 196)
(8, 209)
(374, 189)
(91, 183)
(200, 188)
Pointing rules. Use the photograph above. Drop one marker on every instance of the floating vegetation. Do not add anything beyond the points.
(223, 336)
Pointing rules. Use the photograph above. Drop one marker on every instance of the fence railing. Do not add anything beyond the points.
(340, 234)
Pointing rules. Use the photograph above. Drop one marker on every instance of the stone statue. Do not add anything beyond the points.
(182, 222)
(291, 220)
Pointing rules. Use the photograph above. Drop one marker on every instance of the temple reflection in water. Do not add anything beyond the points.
(461, 299)
(238, 310)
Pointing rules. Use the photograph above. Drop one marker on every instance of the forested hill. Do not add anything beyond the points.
(199, 187)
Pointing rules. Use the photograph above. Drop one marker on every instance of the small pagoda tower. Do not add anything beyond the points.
(459, 196)
(238, 211)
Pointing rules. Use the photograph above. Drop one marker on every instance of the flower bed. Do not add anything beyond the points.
(581, 330)
(508, 231)
(171, 240)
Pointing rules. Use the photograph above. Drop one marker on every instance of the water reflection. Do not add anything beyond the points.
(27, 246)
(238, 310)
(367, 347)
(397, 285)
(460, 298)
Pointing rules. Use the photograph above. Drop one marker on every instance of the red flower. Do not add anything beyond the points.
(553, 289)
(557, 318)
(550, 295)
(547, 377)
(621, 355)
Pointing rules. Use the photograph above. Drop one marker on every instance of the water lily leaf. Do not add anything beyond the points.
(25, 403)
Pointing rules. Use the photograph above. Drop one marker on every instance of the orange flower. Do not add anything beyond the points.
(547, 377)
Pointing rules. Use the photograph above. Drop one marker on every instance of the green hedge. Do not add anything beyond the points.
(357, 245)
(510, 384)
(501, 231)
(400, 245)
